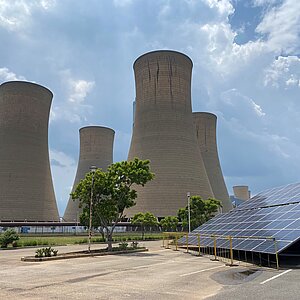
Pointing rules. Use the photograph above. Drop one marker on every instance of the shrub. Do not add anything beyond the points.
(134, 245)
(46, 252)
(8, 237)
(123, 246)
(29, 243)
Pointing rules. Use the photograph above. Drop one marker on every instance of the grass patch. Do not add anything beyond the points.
(35, 241)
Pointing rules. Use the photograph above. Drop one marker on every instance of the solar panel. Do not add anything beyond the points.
(274, 213)
(275, 196)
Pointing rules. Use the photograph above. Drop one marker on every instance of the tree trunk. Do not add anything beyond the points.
(102, 233)
(109, 240)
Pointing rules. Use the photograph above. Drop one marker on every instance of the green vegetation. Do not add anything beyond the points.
(144, 221)
(169, 223)
(35, 241)
(46, 252)
(10, 236)
(112, 193)
(201, 211)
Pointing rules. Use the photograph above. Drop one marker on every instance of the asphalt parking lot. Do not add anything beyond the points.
(157, 274)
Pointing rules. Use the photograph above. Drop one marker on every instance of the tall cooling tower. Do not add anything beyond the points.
(96, 149)
(26, 189)
(241, 192)
(205, 124)
(164, 133)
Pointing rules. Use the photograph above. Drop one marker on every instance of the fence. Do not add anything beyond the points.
(232, 250)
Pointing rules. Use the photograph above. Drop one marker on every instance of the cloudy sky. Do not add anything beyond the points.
(246, 56)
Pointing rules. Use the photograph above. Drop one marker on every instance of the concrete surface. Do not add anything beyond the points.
(157, 274)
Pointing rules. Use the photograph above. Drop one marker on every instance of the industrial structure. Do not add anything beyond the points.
(164, 133)
(96, 149)
(205, 124)
(241, 192)
(26, 188)
(265, 229)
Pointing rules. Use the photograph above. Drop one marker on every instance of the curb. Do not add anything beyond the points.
(78, 255)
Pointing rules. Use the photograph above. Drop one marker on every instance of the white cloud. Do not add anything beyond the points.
(59, 158)
(237, 106)
(16, 15)
(73, 109)
(79, 89)
(7, 75)
(258, 110)
(281, 24)
(221, 54)
(264, 2)
(284, 71)
(224, 7)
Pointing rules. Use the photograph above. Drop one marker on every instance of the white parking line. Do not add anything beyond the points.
(200, 271)
(276, 276)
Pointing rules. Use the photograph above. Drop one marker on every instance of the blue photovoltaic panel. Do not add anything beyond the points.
(274, 213)
(275, 196)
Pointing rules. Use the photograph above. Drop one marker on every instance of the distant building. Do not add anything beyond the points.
(96, 149)
(206, 127)
(164, 132)
(26, 189)
(241, 192)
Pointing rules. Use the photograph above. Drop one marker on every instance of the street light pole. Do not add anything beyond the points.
(92, 169)
(189, 209)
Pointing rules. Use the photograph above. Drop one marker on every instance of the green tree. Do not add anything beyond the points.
(169, 223)
(113, 192)
(9, 236)
(144, 221)
(201, 211)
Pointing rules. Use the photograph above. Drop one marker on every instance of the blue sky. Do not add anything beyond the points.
(246, 71)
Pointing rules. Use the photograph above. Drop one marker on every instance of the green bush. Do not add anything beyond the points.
(46, 252)
(9, 236)
(29, 243)
(123, 246)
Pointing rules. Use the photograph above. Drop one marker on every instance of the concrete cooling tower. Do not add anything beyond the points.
(26, 189)
(205, 124)
(241, 192)
(96, 149)
(164, 133)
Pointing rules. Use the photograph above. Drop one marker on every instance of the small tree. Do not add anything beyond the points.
(169, 223)
(113, 192)
(9, 236)
(144, 220)
(201, 211)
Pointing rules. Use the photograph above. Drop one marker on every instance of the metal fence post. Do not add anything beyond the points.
(199, 244)
(276, 254)
(215, 247)
(231, 251)
(187, 242)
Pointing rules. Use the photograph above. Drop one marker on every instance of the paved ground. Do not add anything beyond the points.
(157, 274)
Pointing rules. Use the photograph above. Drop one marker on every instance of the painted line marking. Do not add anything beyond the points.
(276, 276)
(200, 271)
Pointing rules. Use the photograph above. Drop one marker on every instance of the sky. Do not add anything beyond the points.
(246, 56)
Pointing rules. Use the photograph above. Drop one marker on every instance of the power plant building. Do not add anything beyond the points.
(205, 124)
(26, 188)
(241, 192)
(96, 149)
(164, 133)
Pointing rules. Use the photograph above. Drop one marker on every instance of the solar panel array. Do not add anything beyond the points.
(253, 225)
